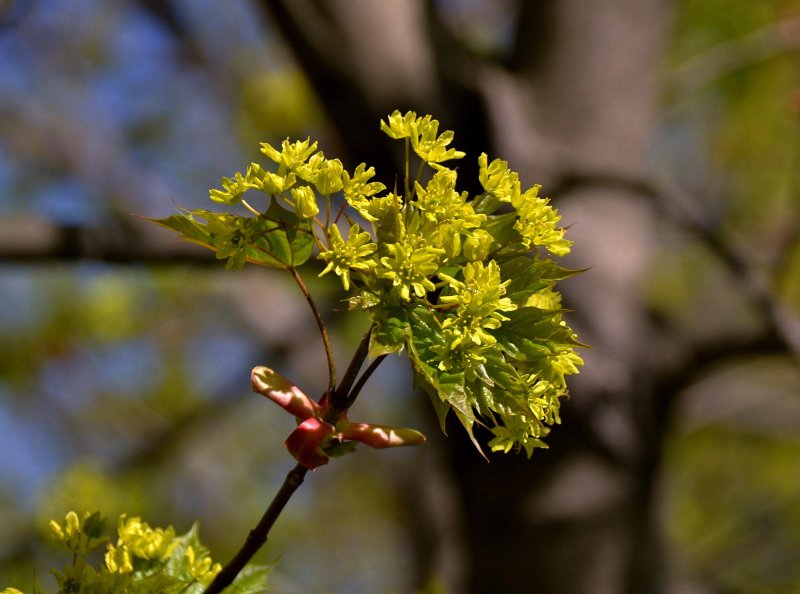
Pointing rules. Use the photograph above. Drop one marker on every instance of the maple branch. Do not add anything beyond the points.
(258, 535)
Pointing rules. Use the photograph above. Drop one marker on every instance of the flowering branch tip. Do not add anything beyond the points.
(315, 440)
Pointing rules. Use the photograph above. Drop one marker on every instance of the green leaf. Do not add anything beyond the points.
(37, 588)
(391, 331)
(188, 227)
(94, 526)
(178, 564)
(502, 373)
(278, 238)
(501, 228)
(251, 580)
(159, 583)
(531, 333)
(446, 390)
(420, 352)
(531, 275)
(453, 390)
(285, 240)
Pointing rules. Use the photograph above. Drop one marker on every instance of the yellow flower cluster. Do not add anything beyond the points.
(143, 559)
(537, 220)
(423, 134)
(464, 283)
(138, 540)
(353, 254)
(479, 303)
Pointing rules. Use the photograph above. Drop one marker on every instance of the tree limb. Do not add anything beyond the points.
(729, 56)
(124, 239)
(671, 202)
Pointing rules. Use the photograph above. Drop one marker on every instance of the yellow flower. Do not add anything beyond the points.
(358, 189)
(329, 177)
(480, 301)
(353, 254)
(232, 191)
(70, 533)
(273, 183)
(143, 541)
(292, 154)
(310, 171)
(496, 178)
(477, 245)
(537, 222)
(430, 146)
(399, 126)
(118, 559)
(202, 569)
(423, 134)
(408, 266)
(305, 202)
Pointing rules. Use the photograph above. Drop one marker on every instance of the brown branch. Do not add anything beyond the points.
(340, 397)
(780, 321)
(351, 397)
(122, 240)
(258, 535)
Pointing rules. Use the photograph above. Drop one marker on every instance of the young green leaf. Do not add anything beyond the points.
(187, 227)
(277, 238)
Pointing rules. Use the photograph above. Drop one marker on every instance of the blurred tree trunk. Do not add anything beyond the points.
(573, 102)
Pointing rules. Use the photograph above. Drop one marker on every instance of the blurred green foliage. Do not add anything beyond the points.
(735, 508)
(732, 483)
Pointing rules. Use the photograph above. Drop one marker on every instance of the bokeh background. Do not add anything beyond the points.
(666, 132)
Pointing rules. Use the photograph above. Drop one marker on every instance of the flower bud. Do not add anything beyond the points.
(305, 202)
(305, 442)
(379, 436)
(329, 178)
(283, 393)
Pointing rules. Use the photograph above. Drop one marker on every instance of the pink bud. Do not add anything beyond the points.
(283, 393)
(378, 436)
(305, 441)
